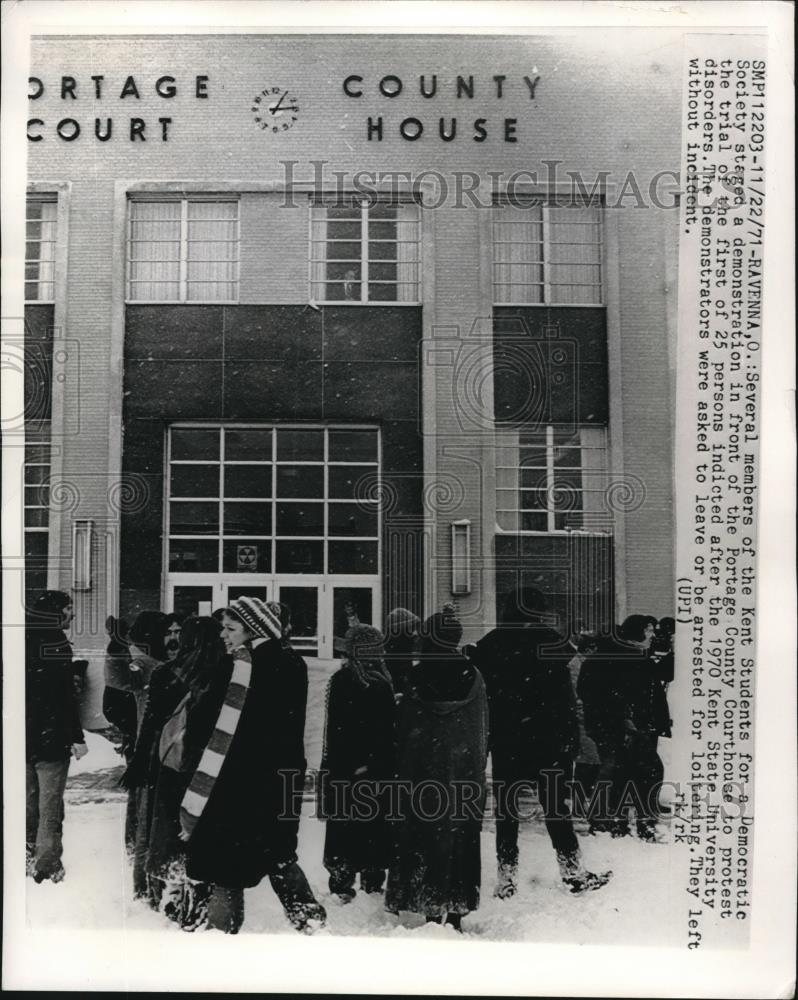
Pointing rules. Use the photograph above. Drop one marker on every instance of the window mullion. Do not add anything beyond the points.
(550, 484)
(545, 253)
(220, 551)
(183, 277)
(364, 253)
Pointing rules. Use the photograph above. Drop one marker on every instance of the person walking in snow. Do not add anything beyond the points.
(240, 815)
(626, 711)
(534, 735)
(357, 761)
(442, 747)
(52, 731)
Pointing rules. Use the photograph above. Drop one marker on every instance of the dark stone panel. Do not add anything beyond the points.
(173, 390)
(38, 355)
(273, 333)
(143, 446)
(402, 446)
(172, 332)
(270, 390)
(550, 365)
(403, 493)
(574, 572)
(367, 390)
(134, 600)
(357, 333)
(39, 323)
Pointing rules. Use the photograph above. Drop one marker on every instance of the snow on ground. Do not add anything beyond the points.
(635, 907)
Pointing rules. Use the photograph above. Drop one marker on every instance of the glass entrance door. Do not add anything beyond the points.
(322, 609)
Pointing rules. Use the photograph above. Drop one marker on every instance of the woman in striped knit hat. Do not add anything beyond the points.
(240, 815)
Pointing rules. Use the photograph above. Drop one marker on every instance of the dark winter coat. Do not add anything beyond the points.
(437, 863)
(533, 720)
(251, 820)
(52, 721)
(358, 757)
(621, 694)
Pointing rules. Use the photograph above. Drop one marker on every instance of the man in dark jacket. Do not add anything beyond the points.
(625, 713)
(534, 734)
(52, 731)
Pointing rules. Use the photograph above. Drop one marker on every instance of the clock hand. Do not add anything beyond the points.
(279, 104)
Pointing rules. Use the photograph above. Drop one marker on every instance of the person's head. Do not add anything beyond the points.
(199, 634)
(147, 634)
(401, 622)
(172, 635)
(638, 630)
(666, 627)
(51, 608)
(249, 618)
(523, 606)
(440, 634)
(116, 628)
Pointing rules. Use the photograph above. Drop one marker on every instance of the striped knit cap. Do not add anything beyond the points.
(258, 617)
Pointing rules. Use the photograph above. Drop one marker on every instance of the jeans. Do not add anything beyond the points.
(44, 813)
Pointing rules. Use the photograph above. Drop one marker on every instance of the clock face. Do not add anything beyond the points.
(275, 109)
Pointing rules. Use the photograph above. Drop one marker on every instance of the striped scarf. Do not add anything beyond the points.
(213, 757)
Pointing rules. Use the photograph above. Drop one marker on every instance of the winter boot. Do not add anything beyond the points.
(506, 881)
(307, 918)
(575, 876)
(56, 875)
(647, 831)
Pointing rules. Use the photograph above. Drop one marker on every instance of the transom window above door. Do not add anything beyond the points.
(286, 500)
(364, 251)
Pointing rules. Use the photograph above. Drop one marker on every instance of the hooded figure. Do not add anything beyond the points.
(442, 745)
(534, 734)
(401, 645)
(240, 814)
(357, 761)
(52, 731)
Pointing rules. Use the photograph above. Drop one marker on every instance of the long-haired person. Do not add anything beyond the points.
(356, 763)
(240, 814)
(442, 746)
(147, 654)
(52, 731)
(192, 686)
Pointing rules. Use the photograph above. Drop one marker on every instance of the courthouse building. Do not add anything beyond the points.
(326, 319)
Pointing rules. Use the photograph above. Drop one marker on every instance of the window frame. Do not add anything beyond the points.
(183, 259)
(546, 203)
(50, 199)
(550, 510)
(319, 201)
(274, 500)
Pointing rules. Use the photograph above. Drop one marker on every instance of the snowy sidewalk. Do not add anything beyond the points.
(97, 891)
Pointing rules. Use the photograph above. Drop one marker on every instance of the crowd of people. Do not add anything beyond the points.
(211, 715)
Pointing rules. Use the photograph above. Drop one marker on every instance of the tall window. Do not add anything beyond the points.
(184, 250)
(551, 479)
(40, 239)
(273, 500)
(547, 252)
(364, 252)
(36, 505)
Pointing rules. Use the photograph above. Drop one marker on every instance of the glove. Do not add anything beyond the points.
(79, 750)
